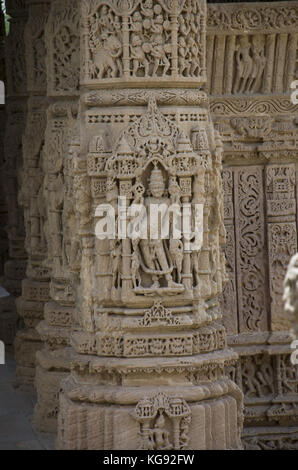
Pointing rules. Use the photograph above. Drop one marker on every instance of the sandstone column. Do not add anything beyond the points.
(35, 288)
(149, 353)
(53, 361)
(16, 89)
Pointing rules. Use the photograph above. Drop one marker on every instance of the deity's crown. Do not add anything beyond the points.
(156, 179)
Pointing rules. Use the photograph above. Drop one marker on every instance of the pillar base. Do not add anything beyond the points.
(52, 368)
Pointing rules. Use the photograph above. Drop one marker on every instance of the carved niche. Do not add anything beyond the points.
(153, 162)
(164, 422)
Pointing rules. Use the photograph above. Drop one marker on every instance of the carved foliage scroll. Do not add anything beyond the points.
(229, 297)
(250, 242)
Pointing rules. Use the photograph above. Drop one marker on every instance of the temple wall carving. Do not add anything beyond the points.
(140, 301)
(62, 59)
(252, 63)
(35, 284)
(162, 101)
(12, 130)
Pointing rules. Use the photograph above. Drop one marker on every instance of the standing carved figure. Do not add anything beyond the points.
(244, 65)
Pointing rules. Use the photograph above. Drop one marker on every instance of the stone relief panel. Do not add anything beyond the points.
(256, 129)
(257, 374)
(250, 241)
(31, 193)
(229, 296)
(63, 44)
(164, 171)
(282, 17)
(156, 39)
(15, 59)
(60, 120)
(247, 257)
(164, 423)
(262, 59)
(35, 48)
(16, 113)
(274, 441)
(288, 378)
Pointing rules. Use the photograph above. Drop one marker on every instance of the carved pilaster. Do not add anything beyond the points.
(61, 142)
(147, 309)
(35, 286)
(15, 116)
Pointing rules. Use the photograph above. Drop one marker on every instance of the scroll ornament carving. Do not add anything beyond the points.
(248, 18)
(251, 243)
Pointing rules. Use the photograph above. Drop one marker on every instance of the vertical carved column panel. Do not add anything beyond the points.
(35, 288)
(14, 269)
(229, 298)
(250, 242)
(53, 361)
(149, 353)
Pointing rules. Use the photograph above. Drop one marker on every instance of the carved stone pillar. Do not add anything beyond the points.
(35, 286)
(53, 361)
(16, 89)
(149, 353)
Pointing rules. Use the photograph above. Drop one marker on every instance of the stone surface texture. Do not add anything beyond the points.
(148, 343)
